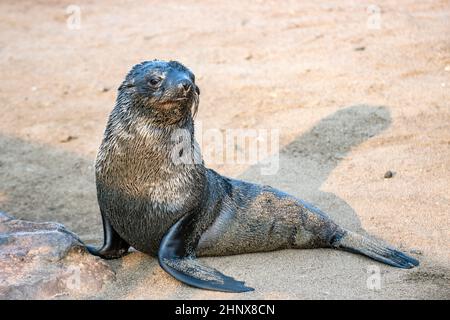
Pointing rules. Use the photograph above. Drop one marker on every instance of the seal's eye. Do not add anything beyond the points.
(154, 81)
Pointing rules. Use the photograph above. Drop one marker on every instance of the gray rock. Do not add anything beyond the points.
(46, 261)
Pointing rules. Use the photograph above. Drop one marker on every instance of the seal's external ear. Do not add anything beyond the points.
(126, 84)
(197, 89)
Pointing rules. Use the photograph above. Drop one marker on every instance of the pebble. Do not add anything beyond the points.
(67, 139)
(389, 174)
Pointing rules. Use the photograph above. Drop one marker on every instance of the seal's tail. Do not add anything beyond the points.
(357, 243)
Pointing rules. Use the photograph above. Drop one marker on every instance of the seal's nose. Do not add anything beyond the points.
(185, 85)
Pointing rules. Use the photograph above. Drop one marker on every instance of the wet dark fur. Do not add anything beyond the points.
(143, 193)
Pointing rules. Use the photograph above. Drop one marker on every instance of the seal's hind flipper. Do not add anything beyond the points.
(176, 256)
(357, 243)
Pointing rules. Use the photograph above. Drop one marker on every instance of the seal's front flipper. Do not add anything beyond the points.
(176, 256)
(113, 246)
(190, 271)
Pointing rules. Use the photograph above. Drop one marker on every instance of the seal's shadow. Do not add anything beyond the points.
(306, 163)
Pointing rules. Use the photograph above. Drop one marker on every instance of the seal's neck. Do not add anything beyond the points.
(136, 130)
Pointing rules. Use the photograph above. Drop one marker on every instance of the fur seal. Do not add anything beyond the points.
(179, 210)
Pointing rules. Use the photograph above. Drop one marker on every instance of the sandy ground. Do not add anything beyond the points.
(352, 99)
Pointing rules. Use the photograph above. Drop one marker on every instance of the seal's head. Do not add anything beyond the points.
(164, 91)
